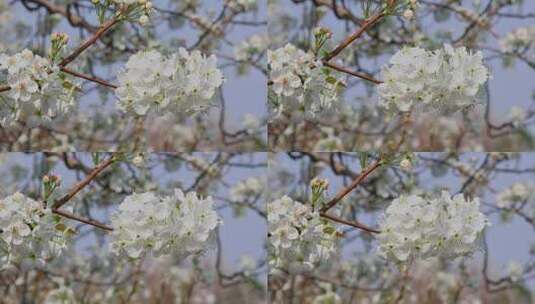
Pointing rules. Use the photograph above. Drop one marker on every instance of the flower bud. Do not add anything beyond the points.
(406, 165)
(408, 14)
(143, 20)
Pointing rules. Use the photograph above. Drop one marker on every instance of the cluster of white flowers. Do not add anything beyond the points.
(181, 83)
(517, 115)
(39, 91)
(180, 224)
(62, 295)
(330, 142)
(249, 188)
(444, 80)
(241, 4)
(417, 227)
(299, 238)
(521, 41)
(515, 270)
(330, 297)
(250, 47)
(519, 192)
(30, 234)
(301, 83)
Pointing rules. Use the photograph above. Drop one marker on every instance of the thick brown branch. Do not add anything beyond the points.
(343, 192)
(79, 186)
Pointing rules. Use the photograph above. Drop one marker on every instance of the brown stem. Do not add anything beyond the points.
(82, 220)
(343, 192)
(4, 88)
(102, 29)
(353, 73)
(367, 24)
(78, 187)
(87, 77)
(349, 223)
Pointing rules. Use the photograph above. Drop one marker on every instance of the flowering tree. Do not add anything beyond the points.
(119, 228)
(401, 228)
(358, 75)
(124, 75)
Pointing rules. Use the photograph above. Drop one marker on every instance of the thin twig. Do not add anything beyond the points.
(343, 192)
(102, 29)
(350, 223)
(78, 187)
(82, 220)
(367, 24)
(353, 73)
(87, 77)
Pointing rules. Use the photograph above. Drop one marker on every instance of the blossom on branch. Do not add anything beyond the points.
(179, 224)
(182, 83)
(418, 227)
(300, 83)
(30, 234)
(39, 90)
(444, 80)
(300, 239)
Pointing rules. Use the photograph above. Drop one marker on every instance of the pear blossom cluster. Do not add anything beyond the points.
(62, 295)
(181, 224)
(416, 227)
(444, 80)
(30, 234)
(183, 83)
(519, 192)
(520, 41)
(299, 238)
(250, 47)
(515, 270)
(330, 297)
(241, 4)
(300, 83)
(249, 188)
(39, 90)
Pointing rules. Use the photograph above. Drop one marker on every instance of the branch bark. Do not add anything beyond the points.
(345, 191)
(82, 184)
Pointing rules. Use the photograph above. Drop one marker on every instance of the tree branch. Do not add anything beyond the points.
(343, 192)
(82, 220)
(78, 187)
(349, 223)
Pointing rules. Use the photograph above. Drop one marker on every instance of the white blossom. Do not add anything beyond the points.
(62, 295)
(515, 270)
(249, 188)
(418, 227)
(181, 83)
(241, 4)
(300, 83)
(520, 41)
(329, 297)
(408, 14)
(30, 233)
(517, 115)
(444, 80)
(299, 238)
(179, 224)
(249, 48)
(39, 90)
(519, 192)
